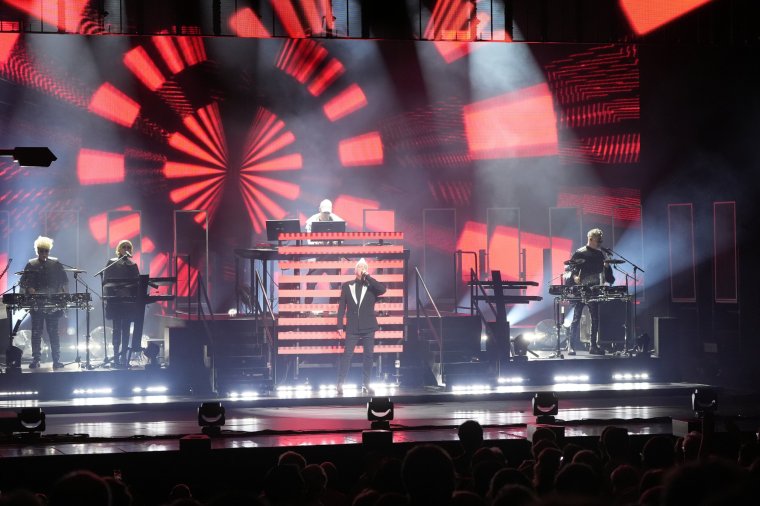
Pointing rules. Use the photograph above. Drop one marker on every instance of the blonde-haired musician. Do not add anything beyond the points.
(44, 275)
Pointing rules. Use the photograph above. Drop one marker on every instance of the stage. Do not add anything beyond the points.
(152, 437)
(541, 369)
(299, 416)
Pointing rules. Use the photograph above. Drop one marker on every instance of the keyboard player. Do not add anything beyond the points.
(120, 279)
(44, 275)
(325, 214)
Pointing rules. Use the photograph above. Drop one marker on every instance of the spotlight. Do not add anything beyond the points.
(211, 417)
(28, 420)
(545, 406)
(151, 351)
(704, 402)
(380, 412)
(520, 347)
(31, 420)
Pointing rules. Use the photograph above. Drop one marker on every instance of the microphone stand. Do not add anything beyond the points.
(635, 285)
(87, 289)
(628, 348)
(77, 359)
(559, 318)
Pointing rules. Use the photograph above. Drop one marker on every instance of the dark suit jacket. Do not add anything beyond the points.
(360, 313)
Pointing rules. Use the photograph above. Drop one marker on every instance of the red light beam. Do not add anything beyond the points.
(346, 102)
(518, 124)
(361, 150)
(99, 167)
(113, 105)
(142, 66)
(245, 23)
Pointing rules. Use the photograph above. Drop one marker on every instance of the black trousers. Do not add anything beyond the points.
(41, 319)
(122, 316)
(121, 341)
(575, 327)
(368, 342)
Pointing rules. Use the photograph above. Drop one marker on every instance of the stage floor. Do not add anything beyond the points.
(156, 423)
(123, 411)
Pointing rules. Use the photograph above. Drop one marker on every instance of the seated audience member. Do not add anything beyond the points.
(428, 475)
(615, 448)
(466, 498)
(624, 483)
(515, 495)
(712, 481)
(291, 458)
(577, 480)
(503, 478)
(545, 470)
(470, 434)
(80, 488)
(657, 453)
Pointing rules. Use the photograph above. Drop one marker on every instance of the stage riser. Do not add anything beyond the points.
(599, 370)
(62, 384)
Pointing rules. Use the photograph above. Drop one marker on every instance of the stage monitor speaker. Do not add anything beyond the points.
(667, 344)
(612, 322)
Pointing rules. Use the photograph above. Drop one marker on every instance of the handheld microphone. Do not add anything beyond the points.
(608, 251)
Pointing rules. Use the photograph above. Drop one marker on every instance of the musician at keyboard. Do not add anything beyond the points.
(120, 280)
(325, 214)
(44, 275)
(588, 267)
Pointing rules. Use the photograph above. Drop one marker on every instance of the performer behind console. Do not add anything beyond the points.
(588, 267)
(357, 302)
(120, 279)
(325, 214)
(44, 275)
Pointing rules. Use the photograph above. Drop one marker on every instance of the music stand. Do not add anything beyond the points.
(276, 227)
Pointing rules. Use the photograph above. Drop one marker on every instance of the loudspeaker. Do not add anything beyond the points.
(612, 322)
(667, 344)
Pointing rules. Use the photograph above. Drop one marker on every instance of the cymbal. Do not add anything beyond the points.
(574, 262)
(74, 270)
(614, 261)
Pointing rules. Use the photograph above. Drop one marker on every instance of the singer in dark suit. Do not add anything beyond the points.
(117, 282)
(357, 303)
(44, 275)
